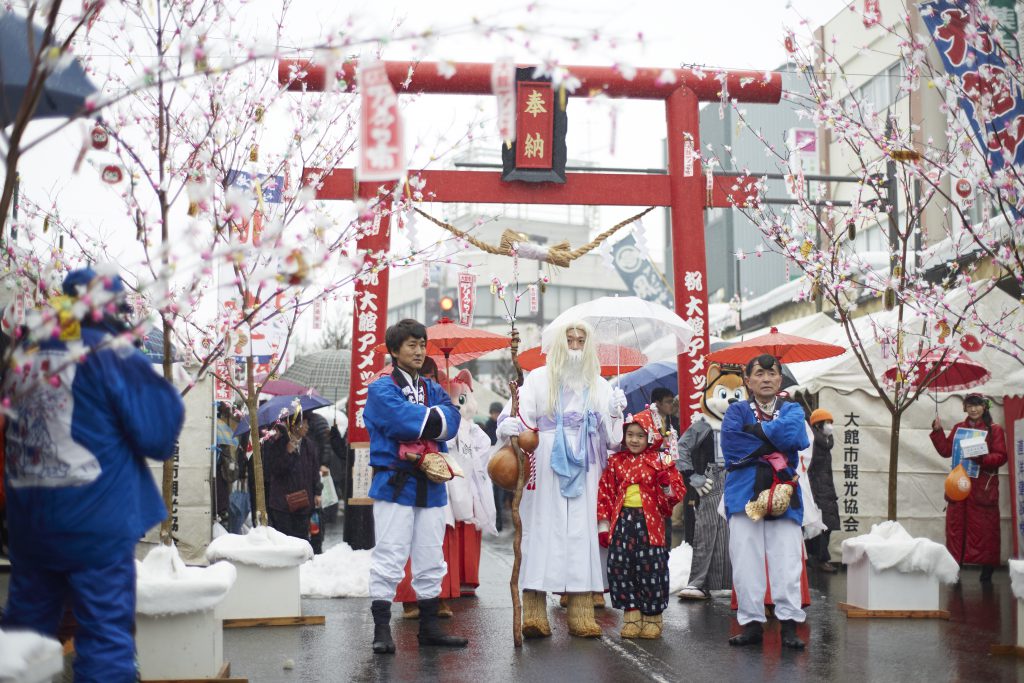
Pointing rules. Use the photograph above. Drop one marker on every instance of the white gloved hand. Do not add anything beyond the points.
(509, 427)
(705, 489)
(617, 403)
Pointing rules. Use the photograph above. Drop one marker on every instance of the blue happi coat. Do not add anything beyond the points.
(787, 432)
(391, 418)
(79, 491)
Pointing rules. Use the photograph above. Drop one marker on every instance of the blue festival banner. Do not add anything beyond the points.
(638, 273)
(989, 95)
(272, 186)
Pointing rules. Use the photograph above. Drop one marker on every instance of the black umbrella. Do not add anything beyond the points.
(65, 90)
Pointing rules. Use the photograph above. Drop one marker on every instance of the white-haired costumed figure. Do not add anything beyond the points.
(579, 418)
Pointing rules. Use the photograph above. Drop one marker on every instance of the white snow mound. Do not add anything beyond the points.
(28, 656)
(339, 572)
(1017, 578)
(261, 547)
(679, 561)
(165, 585)
(889, 546)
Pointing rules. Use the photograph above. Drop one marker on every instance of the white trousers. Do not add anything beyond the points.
(404, 530)
(780, 542)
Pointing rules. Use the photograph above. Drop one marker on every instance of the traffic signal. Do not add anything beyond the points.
(436, 305)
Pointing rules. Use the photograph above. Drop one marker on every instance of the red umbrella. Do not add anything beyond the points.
(286, 387)
(614, 359)
(951, 370)
(787, 348)
(457, 344)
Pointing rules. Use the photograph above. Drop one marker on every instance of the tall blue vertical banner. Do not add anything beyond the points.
(989, 94)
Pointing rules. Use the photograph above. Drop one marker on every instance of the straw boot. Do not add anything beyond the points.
(410, 610)
(444, 610)
(652, 626)
(563, 601)
(631, 624)
(581, 616)
(535, 615)
(599, 600)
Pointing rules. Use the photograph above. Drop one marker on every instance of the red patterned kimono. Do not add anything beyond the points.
(624, 469)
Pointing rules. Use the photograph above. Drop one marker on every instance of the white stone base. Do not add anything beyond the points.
(890, 589)
(179, 645)
(261, 592)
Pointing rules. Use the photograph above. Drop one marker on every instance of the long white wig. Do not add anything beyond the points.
(584, 376)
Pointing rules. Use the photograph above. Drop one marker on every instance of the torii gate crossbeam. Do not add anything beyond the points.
(685, 188)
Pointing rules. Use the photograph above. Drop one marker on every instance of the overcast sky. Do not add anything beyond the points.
(738, 34)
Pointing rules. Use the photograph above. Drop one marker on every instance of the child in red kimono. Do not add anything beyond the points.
(638, 489)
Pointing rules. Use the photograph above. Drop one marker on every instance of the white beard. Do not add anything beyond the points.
(572, 374)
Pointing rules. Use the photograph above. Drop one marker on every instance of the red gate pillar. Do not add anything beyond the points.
(369, 323)
(687, 188)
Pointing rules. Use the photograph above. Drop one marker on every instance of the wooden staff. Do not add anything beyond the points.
(517, 522)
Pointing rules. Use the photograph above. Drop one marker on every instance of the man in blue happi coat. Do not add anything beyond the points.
(404, 409)
(87, 411)
(760, 441)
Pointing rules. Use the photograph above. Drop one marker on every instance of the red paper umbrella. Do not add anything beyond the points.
(948, 370)
(787, 348)
(614, 359)
(457, 344)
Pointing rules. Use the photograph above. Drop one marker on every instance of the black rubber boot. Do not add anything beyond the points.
(382, 642)
(752, 634)
(789, 637)
(986, 573)
(430, 632)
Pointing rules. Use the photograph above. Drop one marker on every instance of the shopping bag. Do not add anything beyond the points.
(329, 496)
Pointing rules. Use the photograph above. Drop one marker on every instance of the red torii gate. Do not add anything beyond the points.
(685, 188)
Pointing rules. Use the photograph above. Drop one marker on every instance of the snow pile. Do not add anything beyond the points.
(679, 561)
(28, 656)
(339, 572)
(889, 546)
(261, 547)
(1017, 578)
(165, 585)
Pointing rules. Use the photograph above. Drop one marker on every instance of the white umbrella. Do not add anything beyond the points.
(624, 320)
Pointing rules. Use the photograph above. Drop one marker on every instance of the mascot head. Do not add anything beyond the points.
(724, 386)
(460, 389)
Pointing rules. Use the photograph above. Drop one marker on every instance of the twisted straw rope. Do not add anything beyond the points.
(560, 260)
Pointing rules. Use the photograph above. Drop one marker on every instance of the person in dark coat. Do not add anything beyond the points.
(823, 489)
(502, 498)
(972, 525)
(292, 465)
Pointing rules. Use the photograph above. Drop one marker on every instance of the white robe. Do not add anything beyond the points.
(560, 548)
(471, 497)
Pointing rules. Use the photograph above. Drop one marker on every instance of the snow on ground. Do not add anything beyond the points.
(166, 586)
(261, 547)
(889, 546)
(28, 656)
(339, 572)
(679, 561)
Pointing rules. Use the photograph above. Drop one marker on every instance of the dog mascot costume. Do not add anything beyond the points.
(703, 467)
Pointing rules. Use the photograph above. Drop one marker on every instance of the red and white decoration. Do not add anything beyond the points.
(382, 154)
(467, 298)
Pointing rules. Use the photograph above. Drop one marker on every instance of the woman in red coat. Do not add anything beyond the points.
(972, 525)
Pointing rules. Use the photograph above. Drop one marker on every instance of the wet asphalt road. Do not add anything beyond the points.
(693, 647)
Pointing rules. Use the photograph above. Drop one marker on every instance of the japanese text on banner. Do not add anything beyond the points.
(693, 313)
(381, 149)
(503, 83)
(535, 120)
(851, 472)
(467, 298)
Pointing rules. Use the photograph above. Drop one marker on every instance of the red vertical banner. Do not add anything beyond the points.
(535, 124)
(467, 298)
(381, 149)
(369, 320)
(503, 84)
(689, 269)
